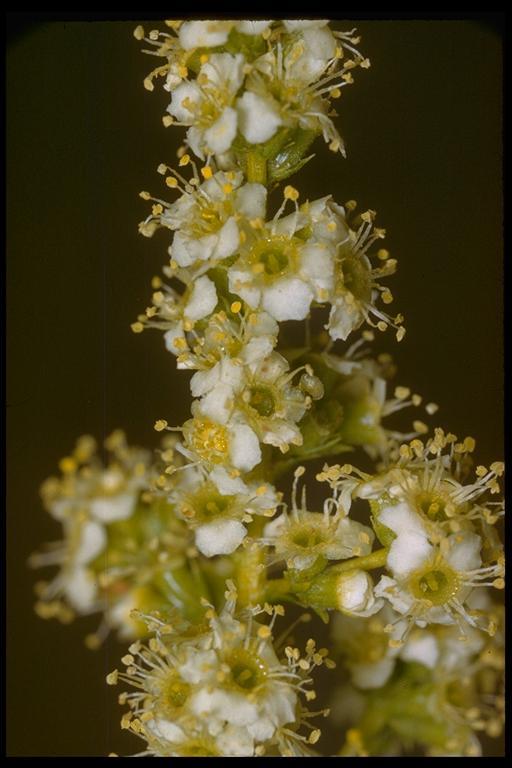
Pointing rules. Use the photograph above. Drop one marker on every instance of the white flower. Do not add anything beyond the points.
(289, 85)
(431, 582)
(219, 519)
(220, 690)
(176, 314)
(300, 537)
(87, 500)
(427, 480)
(356, 287)
(281, 269)
(209, 34)
(261, 395)
(228, 446)
(207, 104)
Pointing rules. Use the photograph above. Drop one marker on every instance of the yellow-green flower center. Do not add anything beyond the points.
(436, 583)
(308, 536)
(247, 671)
(357, 278)
(432, 505)
(274, 256)
(263, 401)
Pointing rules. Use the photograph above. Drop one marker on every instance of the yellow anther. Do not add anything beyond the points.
(138, 32)
(167, 120)
(171, 182)
(184, 160)
(420, 427)
(227, 188)
(264, 632)
(160, 425)
(145, 195)
(157, 209)
(137, 327)
(67, 465)
(112, 677)
(290, 193)
(206, 172)
(402, 393)
(236, 307)
(182, 71)
(203, 58)
(335, 93)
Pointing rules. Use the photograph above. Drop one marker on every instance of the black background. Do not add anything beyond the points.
(423, 132)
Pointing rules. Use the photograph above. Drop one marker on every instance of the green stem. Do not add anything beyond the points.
(250, 569)
(285, 588)
(366, 563)
(256, 167)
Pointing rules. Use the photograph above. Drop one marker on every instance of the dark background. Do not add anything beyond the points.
(423, 133)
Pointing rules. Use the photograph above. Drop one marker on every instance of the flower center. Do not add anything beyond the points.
(273, 256)
(432, 506)
(357, 278)
(208, 440)
(437, 584)
(206, 504)
(263, 401)
(308, 537)
(247, 671)
(176, 693)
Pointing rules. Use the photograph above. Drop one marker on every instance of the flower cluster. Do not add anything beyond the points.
(219, 688)
(438, 531)
(235, 84)
(261, 289)
(449, 687)
(122, 540)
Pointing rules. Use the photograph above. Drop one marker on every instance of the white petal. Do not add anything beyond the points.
(170, 336)
(257, 349)
(221, 537)
(408, 552)
(288, 299)
(354, 591)
(107, 509)
(251, 200)
(244, 448)
(343, 319)
(295, 25)
(259, 117)
(92, 541)
(165, 729)
(422, 648)
(241, 283)
(204, 34)
(188, 92)
(227, 485)
(202, 300)
(367, 676)
(228, 239)
(399, 598)
(204, 381)
(221, 133)
(233, 741)
(80, 589)
(186, 250)
(464, 551)
(247, 27)
(218, 403)
(225, 70)
(401, 518)
(317, 264)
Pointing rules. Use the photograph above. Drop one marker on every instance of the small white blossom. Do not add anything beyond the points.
(207, 104)
(300, 537)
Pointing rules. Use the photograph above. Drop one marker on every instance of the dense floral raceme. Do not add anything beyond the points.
(197, 552)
